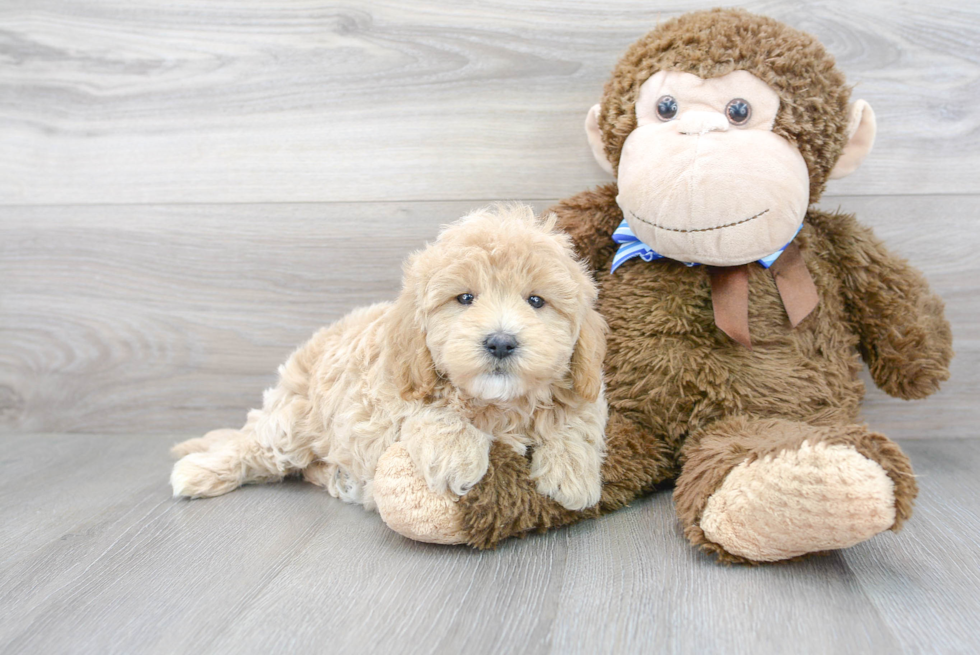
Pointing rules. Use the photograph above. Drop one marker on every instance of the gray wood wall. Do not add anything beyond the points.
(189, 188)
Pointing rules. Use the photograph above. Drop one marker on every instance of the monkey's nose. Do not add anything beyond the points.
(701, 122)
(500, 344)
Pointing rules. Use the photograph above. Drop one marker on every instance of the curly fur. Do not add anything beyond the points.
(418, 371)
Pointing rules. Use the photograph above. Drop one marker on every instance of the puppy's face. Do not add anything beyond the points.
(503, 304)
(500, 326)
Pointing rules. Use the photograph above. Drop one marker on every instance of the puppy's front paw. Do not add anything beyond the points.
(569, 473)
(456, 463)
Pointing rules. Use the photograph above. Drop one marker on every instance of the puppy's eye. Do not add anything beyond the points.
(535, 301)
(465, 299)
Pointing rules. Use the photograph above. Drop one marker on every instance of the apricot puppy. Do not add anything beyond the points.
(494, 337)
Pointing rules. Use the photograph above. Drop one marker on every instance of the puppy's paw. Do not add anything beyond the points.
(449, 459)
(457, 470)
(568, 472)
(201, 475)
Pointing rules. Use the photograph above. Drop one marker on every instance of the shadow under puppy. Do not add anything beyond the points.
(494, 337)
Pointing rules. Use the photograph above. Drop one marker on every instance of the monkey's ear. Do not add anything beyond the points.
(594, 135)
(861, 128)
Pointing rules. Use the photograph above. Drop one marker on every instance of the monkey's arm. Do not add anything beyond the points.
(904, 337)
(507, 503)
(590, 218)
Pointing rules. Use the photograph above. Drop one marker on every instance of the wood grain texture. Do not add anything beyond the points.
(120, 567)
(163, 318)
(174, 318)
(146, 101)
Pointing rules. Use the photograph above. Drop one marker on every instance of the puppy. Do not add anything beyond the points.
(494, 337)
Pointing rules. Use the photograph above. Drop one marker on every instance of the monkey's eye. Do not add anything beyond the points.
(666, 108)
(535, 301)
(465, 299)
(738, 111)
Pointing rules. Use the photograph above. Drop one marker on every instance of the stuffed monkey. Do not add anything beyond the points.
(738, 312)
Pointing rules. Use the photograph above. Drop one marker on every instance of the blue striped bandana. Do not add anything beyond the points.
(632, 247)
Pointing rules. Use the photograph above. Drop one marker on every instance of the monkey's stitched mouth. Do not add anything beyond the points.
(701, 229)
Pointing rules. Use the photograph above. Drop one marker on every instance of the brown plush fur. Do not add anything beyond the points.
(682, 395)
(501, 505)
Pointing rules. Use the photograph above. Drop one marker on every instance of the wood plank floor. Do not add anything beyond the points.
(95, 557)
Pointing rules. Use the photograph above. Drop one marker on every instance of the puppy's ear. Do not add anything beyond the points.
(414, 370)
(590, 350)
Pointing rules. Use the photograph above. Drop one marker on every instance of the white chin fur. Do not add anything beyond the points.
(490, 386)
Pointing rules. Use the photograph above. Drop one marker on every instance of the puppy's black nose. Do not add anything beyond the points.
(500, 344)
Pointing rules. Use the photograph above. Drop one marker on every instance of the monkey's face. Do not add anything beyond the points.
(703, 178)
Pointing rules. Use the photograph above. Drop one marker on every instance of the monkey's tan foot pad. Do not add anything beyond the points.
(409, 507)
(820, 497)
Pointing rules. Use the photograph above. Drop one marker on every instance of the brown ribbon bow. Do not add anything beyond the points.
(730, 293)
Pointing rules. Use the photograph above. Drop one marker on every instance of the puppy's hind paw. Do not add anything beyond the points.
(200, 475)
(571, 476)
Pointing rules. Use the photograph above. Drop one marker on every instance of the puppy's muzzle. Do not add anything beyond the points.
(500, 345)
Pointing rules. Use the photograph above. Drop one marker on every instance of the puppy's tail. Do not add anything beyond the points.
(203, 444)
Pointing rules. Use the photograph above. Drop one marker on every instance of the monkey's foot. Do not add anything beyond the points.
(815, 498)
(409, 507)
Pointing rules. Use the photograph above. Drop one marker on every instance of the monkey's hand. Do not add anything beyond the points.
(904, 337)
(909, 355)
